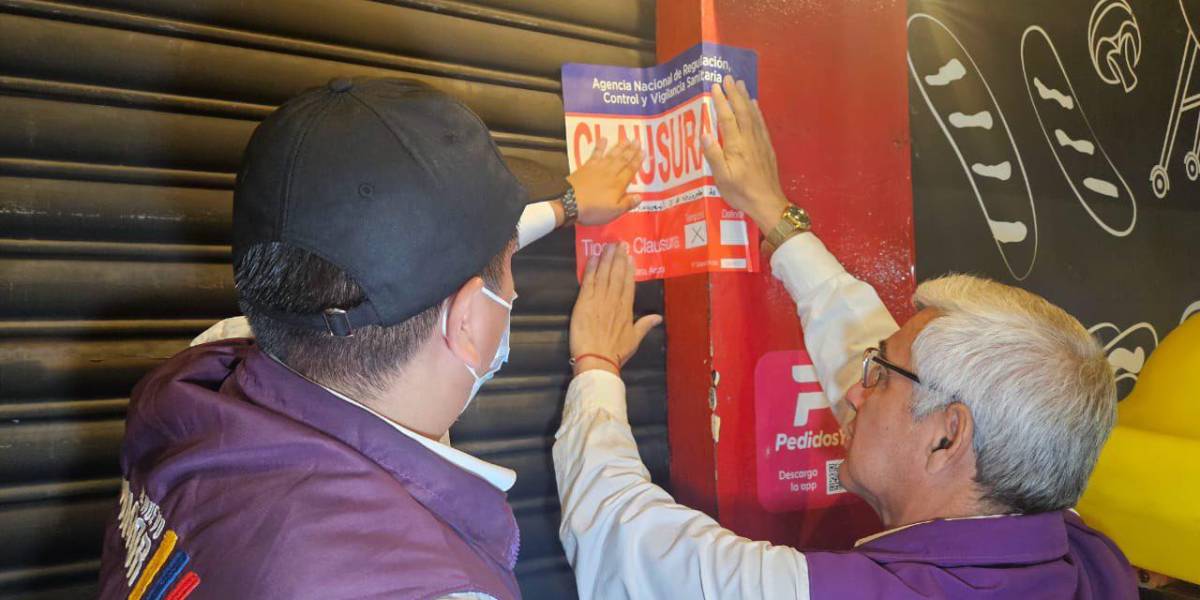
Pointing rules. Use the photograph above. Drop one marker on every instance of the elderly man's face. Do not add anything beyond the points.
(885, 447)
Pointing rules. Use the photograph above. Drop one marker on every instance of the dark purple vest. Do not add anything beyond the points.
(1049, 555)
(277, 489)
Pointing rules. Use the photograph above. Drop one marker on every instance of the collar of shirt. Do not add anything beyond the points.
(500, 477)
(876, 536)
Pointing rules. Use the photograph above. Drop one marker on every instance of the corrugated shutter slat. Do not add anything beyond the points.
(122, 123)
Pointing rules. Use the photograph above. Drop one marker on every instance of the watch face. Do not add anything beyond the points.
(798, 217)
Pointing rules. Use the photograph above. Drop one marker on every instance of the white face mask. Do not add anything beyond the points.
(502, 350)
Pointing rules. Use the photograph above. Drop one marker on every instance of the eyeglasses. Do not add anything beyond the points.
(875, 367)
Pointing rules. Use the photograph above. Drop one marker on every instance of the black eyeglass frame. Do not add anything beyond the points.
(872, 355)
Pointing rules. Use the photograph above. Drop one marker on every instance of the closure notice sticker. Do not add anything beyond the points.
(682, 225)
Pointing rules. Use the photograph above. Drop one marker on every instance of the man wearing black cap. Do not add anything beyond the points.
(374, 225)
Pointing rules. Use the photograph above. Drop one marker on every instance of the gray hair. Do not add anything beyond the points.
(1038, 386)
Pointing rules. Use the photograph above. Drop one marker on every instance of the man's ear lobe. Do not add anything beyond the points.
(457, 317)
(961, 425)
(956, 430)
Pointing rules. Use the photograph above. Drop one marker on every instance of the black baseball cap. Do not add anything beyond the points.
(399, 185)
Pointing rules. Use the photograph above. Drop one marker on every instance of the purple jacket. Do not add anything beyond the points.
(260, 484)
(1047, 555)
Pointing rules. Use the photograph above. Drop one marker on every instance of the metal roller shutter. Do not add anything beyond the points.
(121, 125)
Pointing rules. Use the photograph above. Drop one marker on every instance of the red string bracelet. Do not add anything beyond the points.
(606, 359)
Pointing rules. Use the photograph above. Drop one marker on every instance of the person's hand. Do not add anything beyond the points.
(745, 168)
(602, 323)
(601, 182)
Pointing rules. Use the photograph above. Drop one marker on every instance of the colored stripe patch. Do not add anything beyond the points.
(156, 563)
(184, 588)
(170, 573)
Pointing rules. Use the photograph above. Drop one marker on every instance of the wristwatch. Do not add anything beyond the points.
(570, 206)
(792, 222)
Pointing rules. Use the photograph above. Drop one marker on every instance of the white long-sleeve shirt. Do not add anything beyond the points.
(625, 536)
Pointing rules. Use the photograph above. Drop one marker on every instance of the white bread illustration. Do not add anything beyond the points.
(1093, 177)
(962, 102)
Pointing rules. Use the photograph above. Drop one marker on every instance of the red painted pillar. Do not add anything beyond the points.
(833, 86)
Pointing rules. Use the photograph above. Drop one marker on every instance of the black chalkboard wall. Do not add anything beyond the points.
(1054, 147)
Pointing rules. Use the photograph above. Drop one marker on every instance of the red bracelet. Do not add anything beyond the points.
(606, 359)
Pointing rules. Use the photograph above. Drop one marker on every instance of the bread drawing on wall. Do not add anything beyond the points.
(962, 102)
(1093, 177)
(1192, 309)
(1127, 350)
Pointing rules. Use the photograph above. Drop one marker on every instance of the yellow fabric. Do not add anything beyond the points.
(156, 563)
(1145, 495)
(1145, 491)
(1166, 398)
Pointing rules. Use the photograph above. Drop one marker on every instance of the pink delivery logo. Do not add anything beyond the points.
(810, 400)
(798, 443)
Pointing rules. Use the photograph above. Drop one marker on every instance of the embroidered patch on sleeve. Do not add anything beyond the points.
(156, 563)
(142, 524)
(157, 576)
(185, 586)
(167, 576)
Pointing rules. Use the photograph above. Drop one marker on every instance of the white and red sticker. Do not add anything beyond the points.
(682, 225)
(798, 442)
